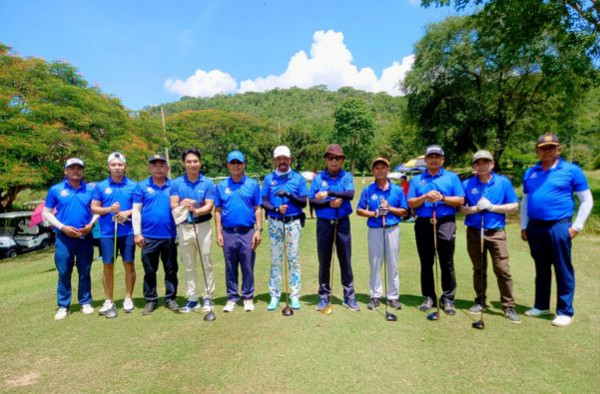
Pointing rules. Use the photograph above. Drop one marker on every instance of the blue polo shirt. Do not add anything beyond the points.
(446, 182)
(157, 221)
(107, 192)
(550, 193)
(237, 201)
(498, 191)
(291, 182)
(370, 199)
(72, 205)
(324, 182)
(202, 189)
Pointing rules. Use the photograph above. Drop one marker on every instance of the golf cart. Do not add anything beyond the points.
(16, 236)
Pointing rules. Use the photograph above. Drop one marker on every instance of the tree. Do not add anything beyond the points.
(481, 81)
(307, 148)
(354, 130)
(47, 114)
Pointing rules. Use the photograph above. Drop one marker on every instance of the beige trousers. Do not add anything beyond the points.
(188, 250)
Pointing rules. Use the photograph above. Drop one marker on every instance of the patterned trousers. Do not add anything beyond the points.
(292, 238)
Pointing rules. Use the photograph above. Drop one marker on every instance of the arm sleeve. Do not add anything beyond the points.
(345, 195)
(524, 216)
(48, 215)
(297, 200)
(266, 204)
(136, 219)
(585, 207)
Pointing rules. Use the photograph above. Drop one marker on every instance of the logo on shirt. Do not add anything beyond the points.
(150, 190)
(108, 190)
(64, 193)
(475, 191)
(374, 197)
(227, 190)
(533, 175)
(273, 183)
(423, 182)
(324, 183)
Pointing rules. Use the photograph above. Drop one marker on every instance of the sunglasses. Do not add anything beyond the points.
(335, 158)
(236, 162)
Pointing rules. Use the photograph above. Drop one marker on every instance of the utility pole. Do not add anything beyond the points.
(162, 115)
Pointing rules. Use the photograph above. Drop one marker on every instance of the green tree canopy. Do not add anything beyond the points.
(354, 130)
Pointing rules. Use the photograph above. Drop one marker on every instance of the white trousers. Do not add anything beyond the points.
(188, 251)
(376, 256)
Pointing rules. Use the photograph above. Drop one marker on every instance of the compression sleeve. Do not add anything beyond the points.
(585, 207)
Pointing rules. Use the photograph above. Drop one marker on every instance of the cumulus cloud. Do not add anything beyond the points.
(202, 84)
(329, 63)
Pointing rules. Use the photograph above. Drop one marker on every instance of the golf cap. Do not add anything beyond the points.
(156, 157)
(434, 150)
(282, 150)
(335, 150)
(74, 161)
(380, 160)
(482, 154)
(235, 155)
(116, 156)
(547, 139)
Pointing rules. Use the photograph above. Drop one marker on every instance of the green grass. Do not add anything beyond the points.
(309, 352)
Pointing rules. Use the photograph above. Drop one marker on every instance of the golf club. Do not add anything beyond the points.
(210, 316)
(435, 315)
(388, 315)
(286, 311)
(328, 310)
(112, 312)
(479, 324)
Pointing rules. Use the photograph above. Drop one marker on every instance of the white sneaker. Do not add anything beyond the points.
(535, 312)
(207, 305)
(128, 305)
(87, 309)
(249, 305)
(61, 313)
(562, 320)
(229, 307)
(108, 304)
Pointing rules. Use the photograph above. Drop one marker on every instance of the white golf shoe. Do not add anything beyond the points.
(87, 309)
(61, 313)
(249, 305)
(229, 307)
(562, 320)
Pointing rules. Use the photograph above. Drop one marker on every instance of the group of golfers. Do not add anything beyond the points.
(165, 218)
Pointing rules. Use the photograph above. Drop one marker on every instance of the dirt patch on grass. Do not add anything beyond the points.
(25, 380)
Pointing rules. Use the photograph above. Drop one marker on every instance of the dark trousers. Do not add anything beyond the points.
(550, 245)
(325, 231)
(238, 252)
(446, 234)
(166, 250)
(494, 241)
(68, 253)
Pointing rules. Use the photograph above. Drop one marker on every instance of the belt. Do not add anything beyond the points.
(549, 222)
(238, 230)
(332, 221)
(200, 219)
(443, 219)
(286, 219)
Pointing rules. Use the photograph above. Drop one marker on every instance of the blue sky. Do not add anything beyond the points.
(149, 52)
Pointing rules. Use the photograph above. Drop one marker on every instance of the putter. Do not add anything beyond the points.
(328, 310)
(286, 311)
(388, 315)
(480, 325)
(210, 316)
(112, 313)
(435, 315)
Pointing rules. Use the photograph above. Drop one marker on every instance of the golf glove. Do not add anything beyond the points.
(485, 205)
(382, 211)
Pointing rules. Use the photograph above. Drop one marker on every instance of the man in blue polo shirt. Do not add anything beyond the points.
(196, 193)
(73, 224)
(154, 233)
(284, 193)
(440, 191)
(331, 192)
(546, 212)
(383, 199)
(492, 196)
(113, 201)
(237, 211)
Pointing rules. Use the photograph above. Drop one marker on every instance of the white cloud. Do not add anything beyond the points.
(202, 84)
(329, 64)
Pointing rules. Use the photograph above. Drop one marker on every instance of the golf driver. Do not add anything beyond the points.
(388, 315)
(479, 324)
(210, 316)
(286, 311)
(435, 315)
(112, 312)
(328, 310)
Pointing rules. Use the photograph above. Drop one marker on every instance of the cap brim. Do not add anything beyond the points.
(548, 143)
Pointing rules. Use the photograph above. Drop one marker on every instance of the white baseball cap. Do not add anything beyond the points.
(117, 156)
(282, 150)
(73, 161)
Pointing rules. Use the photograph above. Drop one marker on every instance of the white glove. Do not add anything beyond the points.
(484, 205)
(382, 211)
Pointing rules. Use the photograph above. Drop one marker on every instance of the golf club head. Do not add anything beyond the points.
(390, 316)
(287, 311)
(478, 325)
(210, 316)
(433, 316)
(328, 310)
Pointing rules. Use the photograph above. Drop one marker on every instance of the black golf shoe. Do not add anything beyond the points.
(427, 304)
(394, 304)
(149, 308)
(374, 303)
(172, 305)
(449, 308)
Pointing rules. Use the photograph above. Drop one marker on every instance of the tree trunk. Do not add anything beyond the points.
(7, 199)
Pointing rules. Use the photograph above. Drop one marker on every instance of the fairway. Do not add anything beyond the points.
(308, 352)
